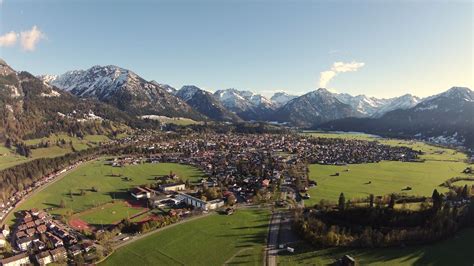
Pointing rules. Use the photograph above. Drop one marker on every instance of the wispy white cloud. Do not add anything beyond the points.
(30, 38)
(338, 67)
(8, 39)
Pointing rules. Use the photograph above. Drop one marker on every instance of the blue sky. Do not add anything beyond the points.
(386, 48)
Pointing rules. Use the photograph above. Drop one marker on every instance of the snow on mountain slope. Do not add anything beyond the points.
(246, 104)
(125, 90)
(206, 103)
(281, 98)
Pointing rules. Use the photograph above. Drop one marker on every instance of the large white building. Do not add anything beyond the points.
(172, 187)
(200, 204)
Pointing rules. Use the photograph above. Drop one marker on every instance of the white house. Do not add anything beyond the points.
(142, 193)
(44, 258)
(24, 243)
(3, 241)
(5, 230)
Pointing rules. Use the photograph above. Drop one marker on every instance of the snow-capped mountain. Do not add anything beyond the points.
(442, 117)
(246, 104)
(403, 102)
(123, 89)
(187, 92)
(374, 107)
(453, 96)
(206, 103)
(31, 107)
(281, 98)
(314, 108)
(363, 104)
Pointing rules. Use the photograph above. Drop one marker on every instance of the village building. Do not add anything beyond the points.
(58, 254)
(200, 204)
(3, 241)
(17, 260)
(142, 193)
(172, 187)
(23, 243)
(44, 258)
(5, 230)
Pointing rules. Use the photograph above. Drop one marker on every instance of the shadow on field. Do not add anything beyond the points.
(121, 194)
(453, 251)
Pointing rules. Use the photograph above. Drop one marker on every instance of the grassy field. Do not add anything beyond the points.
(180, 121)
(109, 213)
(336, 135)
(213, 240)
(453, 251)
(103, 177)
(386, 177)
(79, 144)
(9, 158)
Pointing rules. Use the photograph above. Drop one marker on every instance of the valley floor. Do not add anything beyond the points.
(453, 251)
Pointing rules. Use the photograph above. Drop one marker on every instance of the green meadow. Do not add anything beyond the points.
(383, 178)
(9, 158)
(453, 251)
(212, 240)
(361, 180)
(106, 180)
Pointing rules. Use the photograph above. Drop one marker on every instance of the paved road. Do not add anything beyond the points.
(272, 243)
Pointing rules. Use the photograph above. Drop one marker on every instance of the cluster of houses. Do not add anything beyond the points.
(124, 161)
(39, 238)
(343, 151)
(37, 228)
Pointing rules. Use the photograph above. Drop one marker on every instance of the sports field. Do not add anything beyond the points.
(213, 240)
(109, 213)
(106, 180)
(453, 251)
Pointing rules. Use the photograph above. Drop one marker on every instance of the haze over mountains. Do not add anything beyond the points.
(128, 96)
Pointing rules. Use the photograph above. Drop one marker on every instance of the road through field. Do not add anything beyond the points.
(272, 245)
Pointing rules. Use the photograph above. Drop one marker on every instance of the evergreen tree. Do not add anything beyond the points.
(437, 200)
(391, 204)
(465, 192)
(342, 202)
(371, 200)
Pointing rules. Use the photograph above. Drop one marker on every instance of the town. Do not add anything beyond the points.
(239, 170)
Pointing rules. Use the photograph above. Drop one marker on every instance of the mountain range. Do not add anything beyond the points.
(445, 118)
(127, 96)
(123, 89)
(129, 92)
